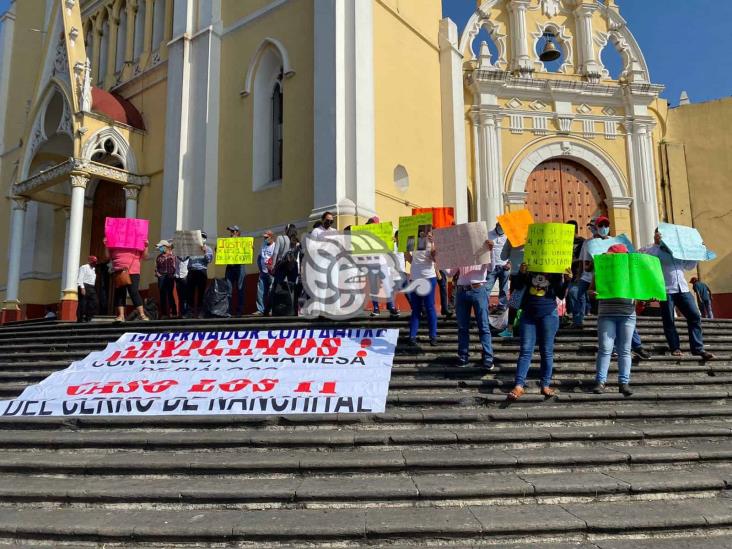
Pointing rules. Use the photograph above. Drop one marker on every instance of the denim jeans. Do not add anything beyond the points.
(427, 302)
(263, 286)
(468, 301)
(579, 301)
(542, 330)
(501, 275)
(445, 305)
(614, 332)
(235, 275)
(687, 307)
(705, 305)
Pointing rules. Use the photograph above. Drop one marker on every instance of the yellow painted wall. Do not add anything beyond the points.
(702, 130)
(408, 123)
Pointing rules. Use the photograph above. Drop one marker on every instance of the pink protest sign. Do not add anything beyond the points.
(126, 232)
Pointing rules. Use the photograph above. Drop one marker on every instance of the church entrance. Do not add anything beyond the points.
(109, 201)
(560, 190)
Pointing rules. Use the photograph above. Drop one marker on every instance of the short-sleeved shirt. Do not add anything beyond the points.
(423, 266)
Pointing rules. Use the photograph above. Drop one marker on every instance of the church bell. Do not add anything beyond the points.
(550, 53)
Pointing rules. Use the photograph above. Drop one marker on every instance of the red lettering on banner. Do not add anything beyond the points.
(203, 386)
(271, 348)
(330, 346)
(304, 387)
(158, 386)
(242, 349)
(329, 387)
(300, 347)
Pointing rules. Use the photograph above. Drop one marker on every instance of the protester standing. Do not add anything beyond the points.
(86, 283)
(616, 321)
(166, 265)
(703, 297)
(379, 279)
(198, 277)
(126, 264)
(678, 295)
(600, 228)
(236, 275)
(577, 265)
(181, 285)
(327, 226)
(264, 263)
(501, 268)
(423, 268)
(539, 322)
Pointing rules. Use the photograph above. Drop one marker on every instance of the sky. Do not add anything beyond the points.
(686, 42)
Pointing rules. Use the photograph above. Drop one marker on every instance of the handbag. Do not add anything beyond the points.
(516, 299)
(122, 278)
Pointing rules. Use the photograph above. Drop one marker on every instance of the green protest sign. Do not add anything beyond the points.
(383, 231)
(629, 276)
(549, 247)
(409, 231)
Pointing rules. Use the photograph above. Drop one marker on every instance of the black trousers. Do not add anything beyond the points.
(166, 283)
(87, 306)
(120, 294)
(197, 281)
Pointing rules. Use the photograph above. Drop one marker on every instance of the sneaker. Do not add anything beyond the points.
(506, 333)
(462, 362)
(704, 355)
(258, 313)
(641, 354)
(599, 388)
(394, 314)
(434, 342)
(374, 314)
(413, 342)
(624, 389)
(489, 366)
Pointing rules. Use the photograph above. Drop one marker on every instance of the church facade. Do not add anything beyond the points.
(206, 113)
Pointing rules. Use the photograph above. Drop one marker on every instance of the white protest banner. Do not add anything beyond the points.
(187, 243)
(208, 373)
(598, 246)
(462, 245)
(685, 243)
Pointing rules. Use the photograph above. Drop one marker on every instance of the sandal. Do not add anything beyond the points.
(677, 352)
(119, 319)
(548, 392)
(145, 318)
(516, 394)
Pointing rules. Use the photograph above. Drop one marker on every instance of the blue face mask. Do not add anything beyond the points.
(161, 249)
(603, 231)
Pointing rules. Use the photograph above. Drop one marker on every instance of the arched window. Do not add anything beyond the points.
(277, 138)
(121, 39)
(268, 117)
(158, 24)
(103, 51)
(139, 43)
(549, 42)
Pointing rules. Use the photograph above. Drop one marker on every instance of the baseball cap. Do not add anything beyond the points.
(163, 243)
(233, 228)
(203, 235)
(600, 220)
(617, 249)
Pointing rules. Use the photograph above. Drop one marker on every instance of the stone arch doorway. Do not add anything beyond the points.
(109, 201)
(561, 189)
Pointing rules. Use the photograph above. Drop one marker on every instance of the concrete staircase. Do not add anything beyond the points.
(448, 464)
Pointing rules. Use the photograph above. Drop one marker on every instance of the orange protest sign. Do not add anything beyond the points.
(516, 226)
(441, 217)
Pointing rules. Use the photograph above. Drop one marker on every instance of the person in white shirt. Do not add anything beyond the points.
(327, 222)
(86, 283)
(181, 286)
(423, 267)
(501, 268)
(678, 296)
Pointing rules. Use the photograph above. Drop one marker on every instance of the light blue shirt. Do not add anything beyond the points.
(673, 269)
(499, 242)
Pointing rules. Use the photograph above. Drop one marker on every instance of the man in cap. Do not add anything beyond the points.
(703, 297)
(266, 268)
(86, 283)
(236, 275)
(198, 276)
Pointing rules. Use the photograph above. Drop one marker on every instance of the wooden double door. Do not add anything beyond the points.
(560, 190)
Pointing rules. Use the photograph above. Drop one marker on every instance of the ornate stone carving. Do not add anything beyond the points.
(566, 147)
(550, 8)
(20, 203)
(132, 192)
(61, 61)
(73, 34)
(565, 123)
(65, 126)
(79, 180)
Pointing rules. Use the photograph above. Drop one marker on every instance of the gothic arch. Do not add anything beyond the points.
(121, 150)
(589, 156)
(267, 43)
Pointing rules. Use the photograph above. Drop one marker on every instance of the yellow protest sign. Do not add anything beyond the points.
(235, 251)
(409, 229)
(516, 226)
(549, 247)
(383, 231)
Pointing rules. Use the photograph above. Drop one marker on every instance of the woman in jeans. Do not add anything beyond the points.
(615, 326)
(124, 259)
(423, 267)
(539, 322)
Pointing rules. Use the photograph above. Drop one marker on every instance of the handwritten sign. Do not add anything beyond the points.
(516, 226)
(409, 229)
(126, 232)
(598, 246)
(685, 243)
(384, 232)
(235, 251)
(629, 276)
(462, 245)
(188, 243)
(549, 247)
(441, 217)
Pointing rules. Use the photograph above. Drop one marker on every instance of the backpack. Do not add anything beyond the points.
(288, 262)
(282, 299)
(217, 297)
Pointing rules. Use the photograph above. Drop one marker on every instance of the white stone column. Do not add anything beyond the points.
(65, 282)
(132, 192)
(454, 170)
(589, 66)
(489, 165)
(19, 207)
(76, 223)
(643, 176)
(520, 59)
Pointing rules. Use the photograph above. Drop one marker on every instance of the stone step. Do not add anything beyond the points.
(374, 526)
(502, 489)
